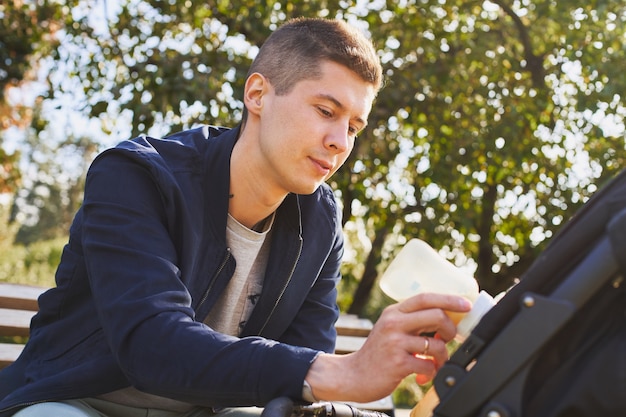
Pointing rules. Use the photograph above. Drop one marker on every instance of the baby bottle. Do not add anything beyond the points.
(418, 268)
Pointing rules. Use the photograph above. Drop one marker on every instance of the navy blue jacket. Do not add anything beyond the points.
(146, 261)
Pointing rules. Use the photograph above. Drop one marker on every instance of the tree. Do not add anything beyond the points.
(26, 36)
(497, 121)
(479, 129)
(53, 190)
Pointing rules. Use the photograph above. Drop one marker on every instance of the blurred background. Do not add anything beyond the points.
(497, 121)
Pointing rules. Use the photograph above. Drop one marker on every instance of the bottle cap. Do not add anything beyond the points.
(481, 306)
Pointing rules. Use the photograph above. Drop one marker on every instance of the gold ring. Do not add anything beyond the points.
(426, 345)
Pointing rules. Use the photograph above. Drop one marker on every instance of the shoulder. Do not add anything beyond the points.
(191, 141)
(184, 150)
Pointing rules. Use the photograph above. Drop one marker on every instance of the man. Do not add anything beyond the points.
(201, 270)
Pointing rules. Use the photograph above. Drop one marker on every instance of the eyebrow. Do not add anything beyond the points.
(337, 103)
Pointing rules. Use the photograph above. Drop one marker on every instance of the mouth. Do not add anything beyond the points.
(322, 165)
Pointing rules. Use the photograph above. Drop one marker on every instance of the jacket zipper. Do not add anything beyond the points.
(214, 278)
(282, 292)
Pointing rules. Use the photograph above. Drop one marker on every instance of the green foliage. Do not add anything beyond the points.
(10, 174)
(475, 144)
(486, 138)
(34, 264)
(408, 393)
(25, 31)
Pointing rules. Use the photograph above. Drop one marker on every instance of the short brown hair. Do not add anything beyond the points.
(295, 51)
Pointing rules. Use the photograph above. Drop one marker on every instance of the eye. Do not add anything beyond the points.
(325, 112)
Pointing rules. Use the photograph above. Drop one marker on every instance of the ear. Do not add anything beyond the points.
(256, 87)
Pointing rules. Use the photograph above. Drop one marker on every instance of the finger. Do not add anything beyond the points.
(422, 379)
(430, 306)
(434, 353)
(431, 348)
(433, 300)
(425, 369)
(429, 321)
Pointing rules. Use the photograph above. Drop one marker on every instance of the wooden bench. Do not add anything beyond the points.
(18, 304)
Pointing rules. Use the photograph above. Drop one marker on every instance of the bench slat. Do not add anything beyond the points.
(351, 325)
(15, 322)
(9, 353)
(20, 297)
(347, 344)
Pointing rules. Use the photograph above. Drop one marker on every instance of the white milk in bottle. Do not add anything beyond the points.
(418, 268)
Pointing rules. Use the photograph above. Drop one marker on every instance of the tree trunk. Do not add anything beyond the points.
(484, 275)
(363, 291)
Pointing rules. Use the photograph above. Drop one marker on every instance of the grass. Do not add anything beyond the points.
(34, 264)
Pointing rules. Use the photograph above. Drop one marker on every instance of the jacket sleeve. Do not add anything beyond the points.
(145, 310)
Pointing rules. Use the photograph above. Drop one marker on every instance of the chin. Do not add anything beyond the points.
(306, 190)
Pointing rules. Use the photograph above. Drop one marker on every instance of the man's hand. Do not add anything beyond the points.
(400, 344)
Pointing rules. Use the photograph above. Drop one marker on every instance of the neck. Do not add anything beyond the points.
(251, 197)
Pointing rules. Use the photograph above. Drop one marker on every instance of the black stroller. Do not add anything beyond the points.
(555, 345)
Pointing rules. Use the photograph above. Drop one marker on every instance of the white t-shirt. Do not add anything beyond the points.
(250, 249)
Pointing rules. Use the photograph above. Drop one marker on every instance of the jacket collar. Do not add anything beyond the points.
(217, 177)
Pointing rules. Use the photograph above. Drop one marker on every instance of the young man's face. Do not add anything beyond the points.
(307, 134)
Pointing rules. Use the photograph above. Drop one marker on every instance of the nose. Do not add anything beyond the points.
(338, 139)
